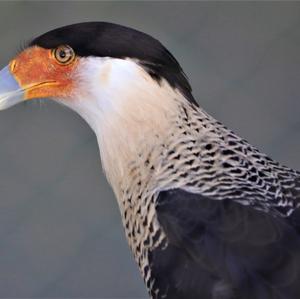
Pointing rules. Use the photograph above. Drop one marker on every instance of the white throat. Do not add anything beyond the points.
(128, 110)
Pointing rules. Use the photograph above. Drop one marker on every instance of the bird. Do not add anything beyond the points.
(206, 214)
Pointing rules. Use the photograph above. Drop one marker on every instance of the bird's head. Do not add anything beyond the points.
(87, 61)
(123, 82)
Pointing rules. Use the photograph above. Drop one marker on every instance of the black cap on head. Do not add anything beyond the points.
(111, 40)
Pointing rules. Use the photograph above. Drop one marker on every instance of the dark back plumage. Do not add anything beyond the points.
(239, 252)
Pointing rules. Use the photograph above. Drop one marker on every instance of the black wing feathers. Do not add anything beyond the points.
(222, 249)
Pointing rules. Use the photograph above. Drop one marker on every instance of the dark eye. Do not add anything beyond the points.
(64, 54)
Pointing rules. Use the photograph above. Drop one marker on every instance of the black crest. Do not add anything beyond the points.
(111, 40)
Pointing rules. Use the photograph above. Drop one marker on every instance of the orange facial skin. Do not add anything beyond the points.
(41, 75)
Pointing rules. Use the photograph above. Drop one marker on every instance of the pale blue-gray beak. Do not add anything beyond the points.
(11, 92)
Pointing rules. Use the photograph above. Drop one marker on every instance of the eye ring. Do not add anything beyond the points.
(64, 54)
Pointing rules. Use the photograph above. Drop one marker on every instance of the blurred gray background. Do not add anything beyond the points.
(60, 229)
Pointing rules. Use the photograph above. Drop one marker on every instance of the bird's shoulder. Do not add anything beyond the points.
(214, 161)
(232, 226)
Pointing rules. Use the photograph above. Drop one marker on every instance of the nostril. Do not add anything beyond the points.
(12, 66)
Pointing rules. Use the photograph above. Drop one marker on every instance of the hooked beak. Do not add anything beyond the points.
(36, 74)
(11, 92)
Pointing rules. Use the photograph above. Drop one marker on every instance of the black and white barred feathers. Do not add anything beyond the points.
(224, 223)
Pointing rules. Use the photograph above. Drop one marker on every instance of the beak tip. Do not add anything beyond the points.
(11, 92)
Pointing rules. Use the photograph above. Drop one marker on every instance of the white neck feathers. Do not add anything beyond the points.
(127, 109)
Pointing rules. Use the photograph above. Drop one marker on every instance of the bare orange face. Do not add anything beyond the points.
(43, 73)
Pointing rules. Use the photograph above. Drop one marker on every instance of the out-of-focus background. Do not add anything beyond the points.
(60, 229)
